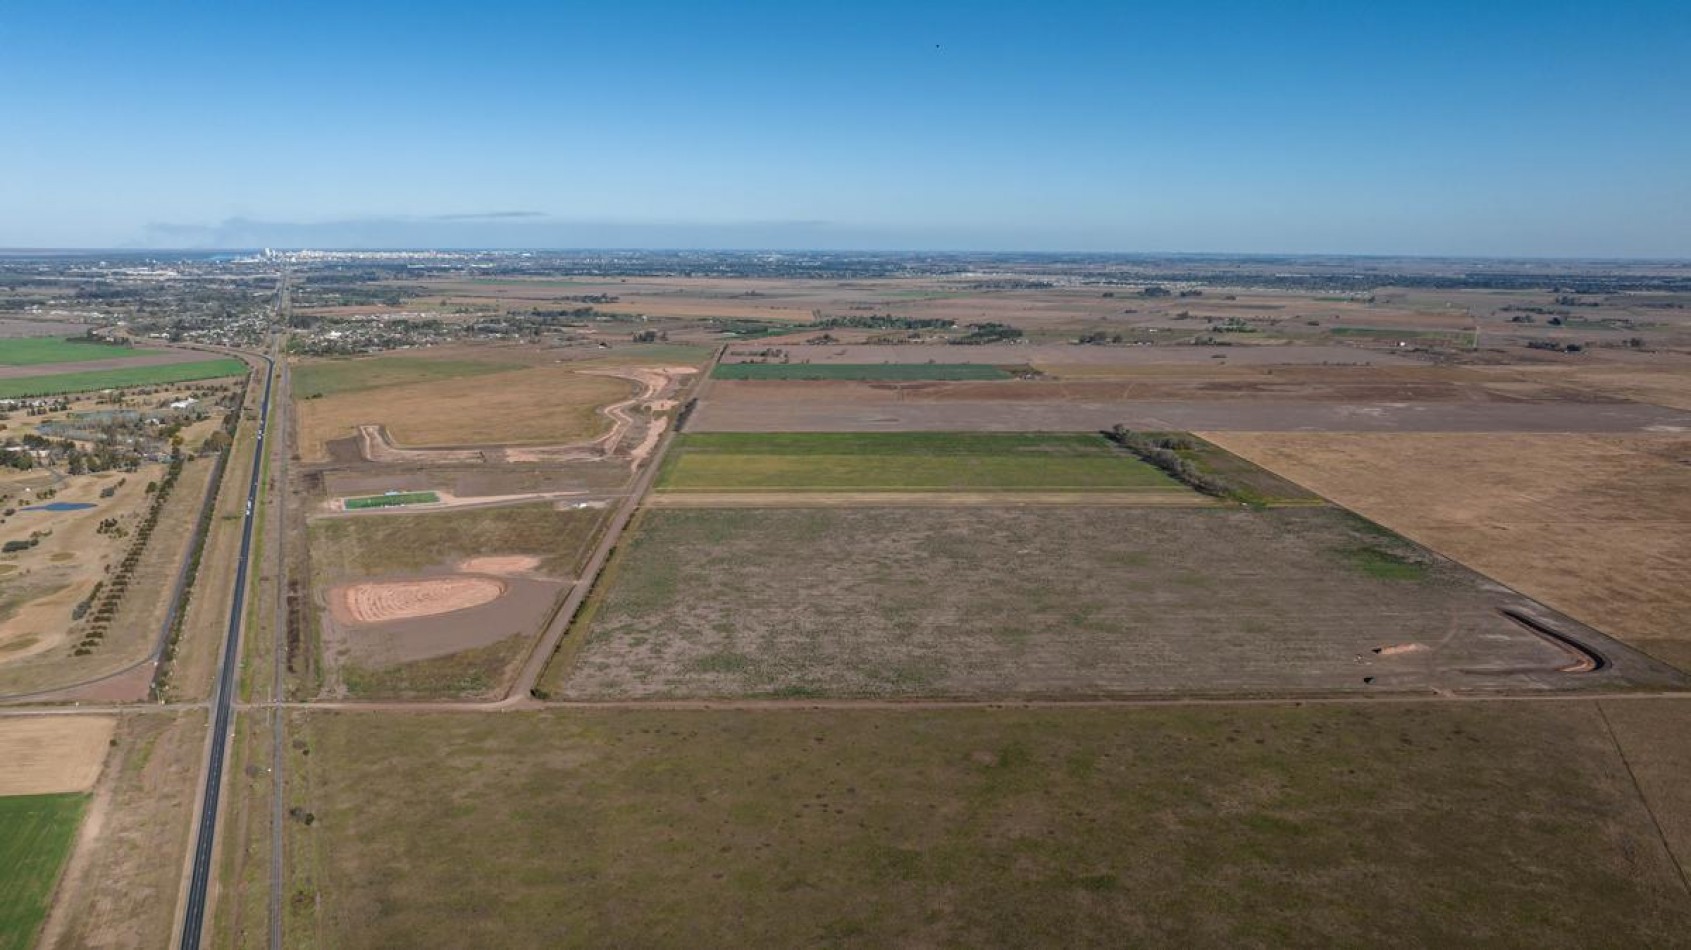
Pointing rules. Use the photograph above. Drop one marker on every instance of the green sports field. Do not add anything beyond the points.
(859, 371)
(36, 832)
(60, 383)
(905, 461)
(41, 351)
(393, 501)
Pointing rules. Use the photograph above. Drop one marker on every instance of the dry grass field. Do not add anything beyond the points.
(1327, 825)
(120, 888)
(533, 405)
(50, 754)
(1597, 526)
(1006, 602)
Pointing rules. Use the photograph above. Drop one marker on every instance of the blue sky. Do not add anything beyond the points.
(1482, 127)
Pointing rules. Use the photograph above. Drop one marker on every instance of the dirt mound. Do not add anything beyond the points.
(513, 564)
(385, 601)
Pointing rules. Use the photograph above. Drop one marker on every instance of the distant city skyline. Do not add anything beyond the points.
(1508, 129)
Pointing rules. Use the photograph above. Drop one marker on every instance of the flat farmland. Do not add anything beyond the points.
(860, 371)
(36, 832)
(57, 383)
(474, 406)
(1377, 824)
(1070, 406)
(469, 396)
(35, 351)
(1597, 526)
(987, 602)
(902, 462)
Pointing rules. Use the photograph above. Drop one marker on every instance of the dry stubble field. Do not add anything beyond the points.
(1071, 601)
(1330, 825)
(1597, 526)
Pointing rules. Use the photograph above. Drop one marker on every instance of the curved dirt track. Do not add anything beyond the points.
(376, 444)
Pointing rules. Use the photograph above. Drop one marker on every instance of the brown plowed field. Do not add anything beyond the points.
(386, 601)
(1597, 526)
(1056, 406)
(50, 754)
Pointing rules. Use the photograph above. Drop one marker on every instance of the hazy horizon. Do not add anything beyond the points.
(1426, 129)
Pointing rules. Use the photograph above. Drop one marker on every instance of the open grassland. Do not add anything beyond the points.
(38, 351)
(36, 832)
(858, 371)
(1598, 527)
(1004, 602)
(59, 383)
(1333, 825)
(541, 404)
(727, 462)
(477, 673)
(348, 548)
(316, 378)
(120, 889)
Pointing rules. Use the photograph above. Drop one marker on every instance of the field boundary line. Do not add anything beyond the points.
(1644, 799)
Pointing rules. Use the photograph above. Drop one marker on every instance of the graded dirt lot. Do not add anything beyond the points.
(1046, 602)
(1597, 526)
(49, 754)
(440, 604)
(387, 601)
(1374, 824)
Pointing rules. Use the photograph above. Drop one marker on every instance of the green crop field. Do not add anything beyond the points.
(395, 500)
(905, 461)
(60, 383)
(1395, 333)
(36, 832)
(859, 371)
(40, 351)
(326, 377)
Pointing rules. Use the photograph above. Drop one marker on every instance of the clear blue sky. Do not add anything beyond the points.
(1478, 127)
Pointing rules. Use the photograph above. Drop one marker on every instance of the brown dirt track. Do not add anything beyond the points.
(1597, 526)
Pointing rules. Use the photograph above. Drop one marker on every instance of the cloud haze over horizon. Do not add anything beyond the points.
(1437, 128)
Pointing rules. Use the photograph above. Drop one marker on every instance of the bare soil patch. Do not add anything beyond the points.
(518, 564)
(52, 754)
(386, 601)
(406, 619)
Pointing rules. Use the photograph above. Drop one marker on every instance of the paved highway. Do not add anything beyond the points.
(193, 919)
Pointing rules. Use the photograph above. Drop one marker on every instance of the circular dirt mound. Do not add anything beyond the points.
(404, 600)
